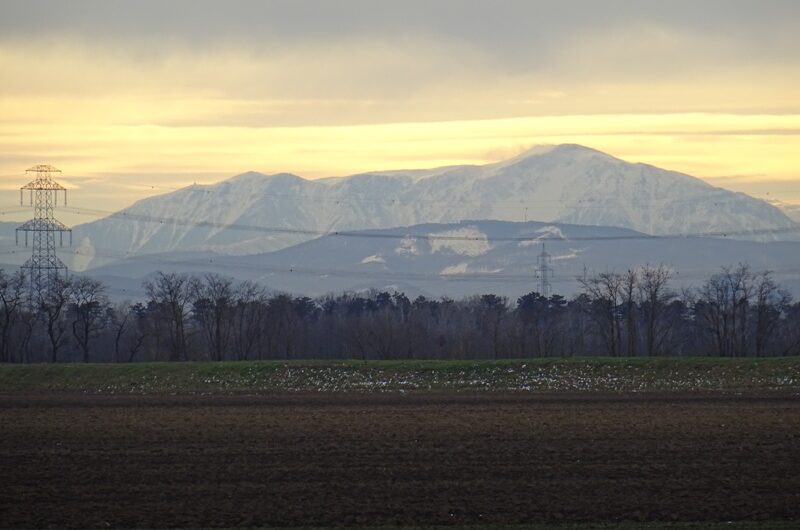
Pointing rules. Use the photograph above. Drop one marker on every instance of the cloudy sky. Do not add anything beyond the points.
(140, 97)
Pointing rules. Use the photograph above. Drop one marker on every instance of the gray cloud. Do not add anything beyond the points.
(517, 33)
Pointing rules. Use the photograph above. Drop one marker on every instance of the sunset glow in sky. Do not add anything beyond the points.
(135, 98)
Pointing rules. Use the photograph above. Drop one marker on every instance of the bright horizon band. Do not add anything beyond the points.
(756, 154)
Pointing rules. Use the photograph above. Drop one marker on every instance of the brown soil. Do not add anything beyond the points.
(147, 461)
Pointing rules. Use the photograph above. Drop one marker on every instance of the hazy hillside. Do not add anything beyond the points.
(465, 258)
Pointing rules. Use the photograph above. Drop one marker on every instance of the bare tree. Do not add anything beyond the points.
(491, 310)
(248, 316)
(88, 307)
(119, 322)
(770, 303)
(789, 334)
(52, 308)
(604, 291)
(630, 282)
(139, 329)
(213, 309)
(172, 295)
(722, 306)
(28, 321)
(530, 312)
(12, 301)
(283, 323)
(655, 295)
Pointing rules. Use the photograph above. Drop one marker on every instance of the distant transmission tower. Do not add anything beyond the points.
(43, 267)
(545, 272)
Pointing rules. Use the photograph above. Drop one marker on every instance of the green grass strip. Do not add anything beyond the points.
(528, 375)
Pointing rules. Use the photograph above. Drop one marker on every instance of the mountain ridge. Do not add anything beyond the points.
(565, 183)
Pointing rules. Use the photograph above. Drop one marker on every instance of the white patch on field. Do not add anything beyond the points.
(484, 270)
(467, 241)
(545, 233)
(461, 268)
(375, 258)
(408, 245)
(573, 253)
(552, 232)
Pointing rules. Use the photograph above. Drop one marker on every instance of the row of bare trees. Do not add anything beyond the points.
(72, 313)
(736, 312)
(637, 301)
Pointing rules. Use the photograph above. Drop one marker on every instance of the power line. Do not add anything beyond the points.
(229, 263)
(503, 278)
(129, 216)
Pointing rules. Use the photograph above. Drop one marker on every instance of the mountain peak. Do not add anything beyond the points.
(256, 177)
(248, 175)
(552, 150)
(577, 149)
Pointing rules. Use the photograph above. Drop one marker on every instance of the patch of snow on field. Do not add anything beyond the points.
(468, 241)
(461, 268)
(375, 258)
(573, 253)
(408, 245)
(545, 233)
(523, 377)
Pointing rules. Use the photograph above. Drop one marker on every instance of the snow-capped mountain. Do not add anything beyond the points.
(462, 259)
(253, 213)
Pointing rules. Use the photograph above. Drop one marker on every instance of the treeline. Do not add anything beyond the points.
(734, 313)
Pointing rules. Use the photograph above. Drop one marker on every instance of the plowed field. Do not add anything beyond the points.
(325, 460)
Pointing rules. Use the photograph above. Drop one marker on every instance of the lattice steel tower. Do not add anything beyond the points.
(43, 267)
(544, 272)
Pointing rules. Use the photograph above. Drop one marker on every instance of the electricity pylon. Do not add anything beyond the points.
(545, 272)
(43, 267)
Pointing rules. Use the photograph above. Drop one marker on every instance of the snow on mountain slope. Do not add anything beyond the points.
(254, 213)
